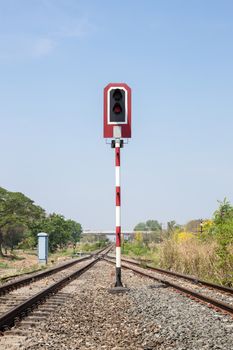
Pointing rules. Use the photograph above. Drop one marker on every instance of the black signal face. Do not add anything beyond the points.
(117, 106)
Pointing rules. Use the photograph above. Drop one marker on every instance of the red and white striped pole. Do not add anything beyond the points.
(118, 212)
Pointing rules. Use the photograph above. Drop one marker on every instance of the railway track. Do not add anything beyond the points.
(20, 280)
(20, 297)
(216, 296)
(143, 263)
(84, 315)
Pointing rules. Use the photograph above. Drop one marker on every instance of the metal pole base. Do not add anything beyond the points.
(119, 288)
(118, 277)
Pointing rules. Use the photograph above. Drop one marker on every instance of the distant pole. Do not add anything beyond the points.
(118, 212)
(201, 226)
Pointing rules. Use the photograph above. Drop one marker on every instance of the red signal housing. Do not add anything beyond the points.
(117, 111)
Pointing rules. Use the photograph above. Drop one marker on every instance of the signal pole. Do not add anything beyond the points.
(117, 125)
(118, 211)
(201, 227)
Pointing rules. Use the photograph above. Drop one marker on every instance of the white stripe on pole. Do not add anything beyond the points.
(118, 256)
(118, 216)
(117, 176)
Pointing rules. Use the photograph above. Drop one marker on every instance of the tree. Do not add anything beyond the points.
(224, 213)
(153, 225)
(193, 226)
(222, 230)
(13, 235)
(153, 231)
(57, 229)
(22, 220)
(75, 229)
(222, 227)
(140, 227)
(60, 231)
(16, 210)
(149, 225)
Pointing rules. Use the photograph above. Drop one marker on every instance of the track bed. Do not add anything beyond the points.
(149, 316)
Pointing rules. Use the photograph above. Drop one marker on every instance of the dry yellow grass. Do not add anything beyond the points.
(196, 258)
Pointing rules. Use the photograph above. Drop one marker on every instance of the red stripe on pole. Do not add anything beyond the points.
(117, 152)
(118, 236)
(118, 196)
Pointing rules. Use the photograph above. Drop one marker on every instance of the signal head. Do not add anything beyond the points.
(117, 95)
(117, 111)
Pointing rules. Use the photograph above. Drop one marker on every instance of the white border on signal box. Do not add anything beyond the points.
(126, 106)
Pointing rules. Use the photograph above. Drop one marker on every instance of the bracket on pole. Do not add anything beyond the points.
(113, 143)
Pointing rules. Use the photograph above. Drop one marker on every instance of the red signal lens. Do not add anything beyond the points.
(117, 108)
(117, 95)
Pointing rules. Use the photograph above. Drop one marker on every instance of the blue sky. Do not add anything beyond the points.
(56, 56)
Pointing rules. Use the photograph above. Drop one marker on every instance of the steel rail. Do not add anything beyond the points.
(36, 276)
(189, 278)
(219, 304)
(39, 275)
(8, 319)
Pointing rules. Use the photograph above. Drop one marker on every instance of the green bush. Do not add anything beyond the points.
(134, 248)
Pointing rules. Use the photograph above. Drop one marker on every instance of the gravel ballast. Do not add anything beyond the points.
(148, 317)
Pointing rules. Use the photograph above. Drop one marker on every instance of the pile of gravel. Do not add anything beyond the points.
(148, 317)
(185, 323)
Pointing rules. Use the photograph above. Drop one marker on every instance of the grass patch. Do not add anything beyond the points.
(90, 247)
(135, 249)
(31, 269)
(196, 258)
(61, 253)
(81, 248)
(4, 265)
(191, 257)
(21, 272)
(147, 255)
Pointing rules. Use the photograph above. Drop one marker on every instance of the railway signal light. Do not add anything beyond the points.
(117, 106)
(117, 111)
